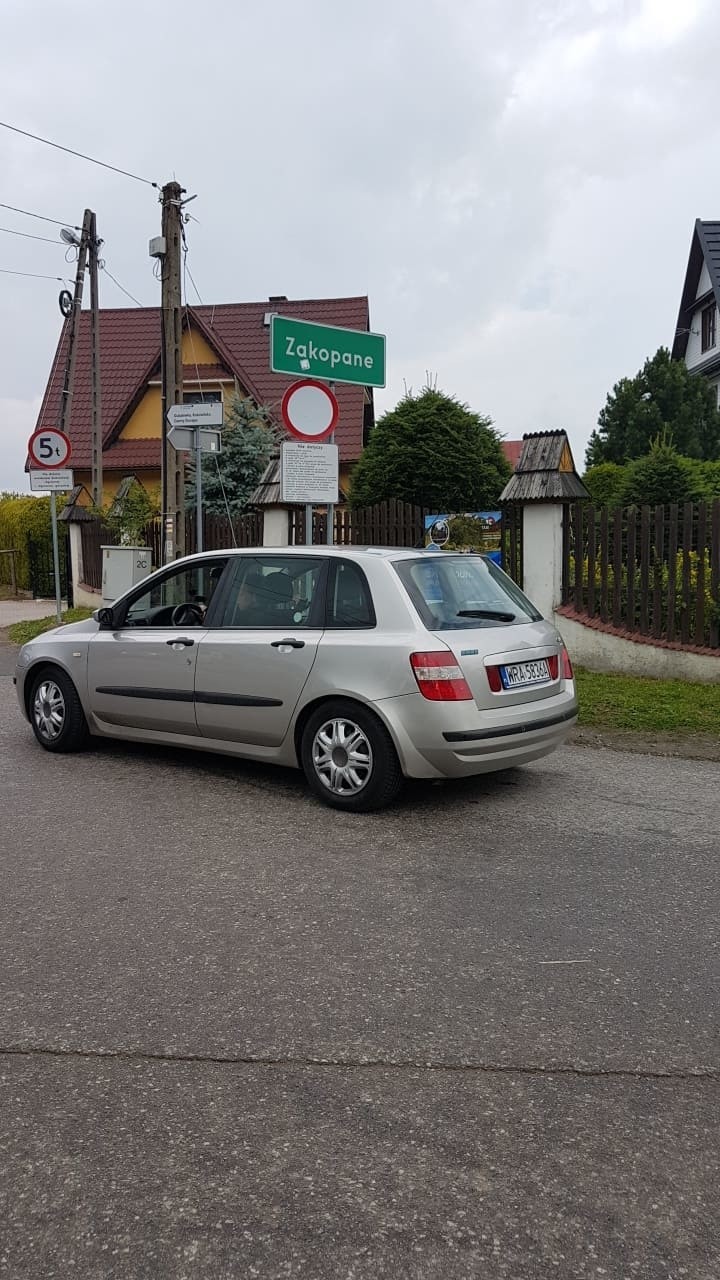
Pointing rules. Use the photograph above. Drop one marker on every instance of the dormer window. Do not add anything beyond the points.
(707, 317)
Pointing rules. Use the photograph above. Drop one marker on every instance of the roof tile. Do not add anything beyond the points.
(130, 355)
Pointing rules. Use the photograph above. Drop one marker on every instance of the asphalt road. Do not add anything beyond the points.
(241, 1035)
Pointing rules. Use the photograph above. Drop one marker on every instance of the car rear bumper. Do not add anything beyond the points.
(455, 740)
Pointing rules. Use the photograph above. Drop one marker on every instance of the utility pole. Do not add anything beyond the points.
(173, 470)
(97, 440)
(69, 379)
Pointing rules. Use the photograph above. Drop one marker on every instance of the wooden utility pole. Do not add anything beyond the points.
(69, 379)
(97, 441)
(173, 469)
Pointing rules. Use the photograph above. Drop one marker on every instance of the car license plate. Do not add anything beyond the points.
(524, 673)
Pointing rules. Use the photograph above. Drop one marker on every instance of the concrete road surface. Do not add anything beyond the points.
(241, 1035)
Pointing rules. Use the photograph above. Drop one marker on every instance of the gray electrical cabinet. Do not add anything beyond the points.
(122, 568)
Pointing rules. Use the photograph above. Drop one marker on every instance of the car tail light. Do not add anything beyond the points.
(553, 666)
(439, 677)
(567, 671)
(493, 675)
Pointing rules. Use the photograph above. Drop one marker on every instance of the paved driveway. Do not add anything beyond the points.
(245, 1036)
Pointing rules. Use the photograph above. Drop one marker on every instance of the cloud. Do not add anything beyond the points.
(514, 185)
(17, 422)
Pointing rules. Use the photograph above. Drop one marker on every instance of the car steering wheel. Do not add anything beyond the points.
(186, 615)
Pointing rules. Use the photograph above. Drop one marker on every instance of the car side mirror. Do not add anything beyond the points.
(105, 619)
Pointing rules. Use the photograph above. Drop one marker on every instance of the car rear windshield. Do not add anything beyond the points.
(461, 592)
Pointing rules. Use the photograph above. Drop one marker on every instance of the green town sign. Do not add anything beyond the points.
(303, 349)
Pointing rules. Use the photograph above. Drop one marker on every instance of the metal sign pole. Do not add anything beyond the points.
(330, 519)
(198, 493)
(56, 555)
(308, 524)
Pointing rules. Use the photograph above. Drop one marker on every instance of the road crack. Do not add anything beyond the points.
(359, 1064)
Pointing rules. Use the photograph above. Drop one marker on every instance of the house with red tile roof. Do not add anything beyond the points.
(225, 350)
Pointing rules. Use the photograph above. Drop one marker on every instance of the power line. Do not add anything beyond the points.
(80, 155)
(41, 217)
(33, 275)
(120, 287)
(27, 236)
(186, 269)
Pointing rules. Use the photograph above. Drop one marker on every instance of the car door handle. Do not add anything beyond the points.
(184, 640)
(291, 644)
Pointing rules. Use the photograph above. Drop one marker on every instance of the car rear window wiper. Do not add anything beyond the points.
(495, 614)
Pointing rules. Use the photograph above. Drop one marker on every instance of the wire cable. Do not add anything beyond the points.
(120, 287)
(31, 275)
(80, 155)
(27, 236)
(14, 209)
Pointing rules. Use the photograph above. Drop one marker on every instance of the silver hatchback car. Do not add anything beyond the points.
(359, 665)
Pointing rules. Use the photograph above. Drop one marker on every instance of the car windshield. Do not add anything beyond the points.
(455, 592)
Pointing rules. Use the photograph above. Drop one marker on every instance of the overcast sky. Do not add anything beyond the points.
(513, 182)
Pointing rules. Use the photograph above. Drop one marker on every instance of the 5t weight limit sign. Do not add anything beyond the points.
(49, 448)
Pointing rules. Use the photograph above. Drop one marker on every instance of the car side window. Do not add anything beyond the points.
(349, 603)
(272, 591)
(181, 598)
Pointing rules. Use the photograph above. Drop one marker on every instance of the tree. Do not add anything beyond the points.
(663, 395)
(249, 441)
(663, 475)
(434, 451)
(604, 482)
(128, 515)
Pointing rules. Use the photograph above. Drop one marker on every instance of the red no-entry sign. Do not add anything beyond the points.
(309, 410)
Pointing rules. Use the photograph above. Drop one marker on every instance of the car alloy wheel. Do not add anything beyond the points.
(49, 710)
(56, 713)
(342, 756)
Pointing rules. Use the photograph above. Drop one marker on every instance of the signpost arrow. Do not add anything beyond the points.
(208, 413)
(302, 348)
(188, 431)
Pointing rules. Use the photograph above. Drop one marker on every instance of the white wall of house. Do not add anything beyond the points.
(704, 283)
(601, 651)
(695, 354)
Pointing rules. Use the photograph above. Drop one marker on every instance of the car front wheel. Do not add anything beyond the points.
(349, 759)
(56, 713)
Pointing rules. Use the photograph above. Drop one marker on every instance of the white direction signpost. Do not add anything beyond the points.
(50, 451)
(208, 413)
(190, 428)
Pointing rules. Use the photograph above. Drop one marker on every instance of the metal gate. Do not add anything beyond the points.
(42, 574)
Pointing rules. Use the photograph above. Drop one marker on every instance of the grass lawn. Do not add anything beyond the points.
(661, 706)
(21, 632)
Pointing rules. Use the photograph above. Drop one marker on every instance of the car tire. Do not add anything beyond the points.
(56, 714)
(348, 758)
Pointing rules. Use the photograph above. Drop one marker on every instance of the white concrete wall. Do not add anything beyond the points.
(83, 596)
(542, 555)
(600, 651)
(275, 527)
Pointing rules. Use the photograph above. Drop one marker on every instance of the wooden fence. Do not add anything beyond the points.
(388, 524)
(649, 570)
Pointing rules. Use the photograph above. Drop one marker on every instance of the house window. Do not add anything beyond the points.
(201, 397)
(707, 316)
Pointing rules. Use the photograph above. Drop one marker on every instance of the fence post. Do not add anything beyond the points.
(542, 535)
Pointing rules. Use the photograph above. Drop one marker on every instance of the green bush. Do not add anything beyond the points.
(20, 517)
(685, 602)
